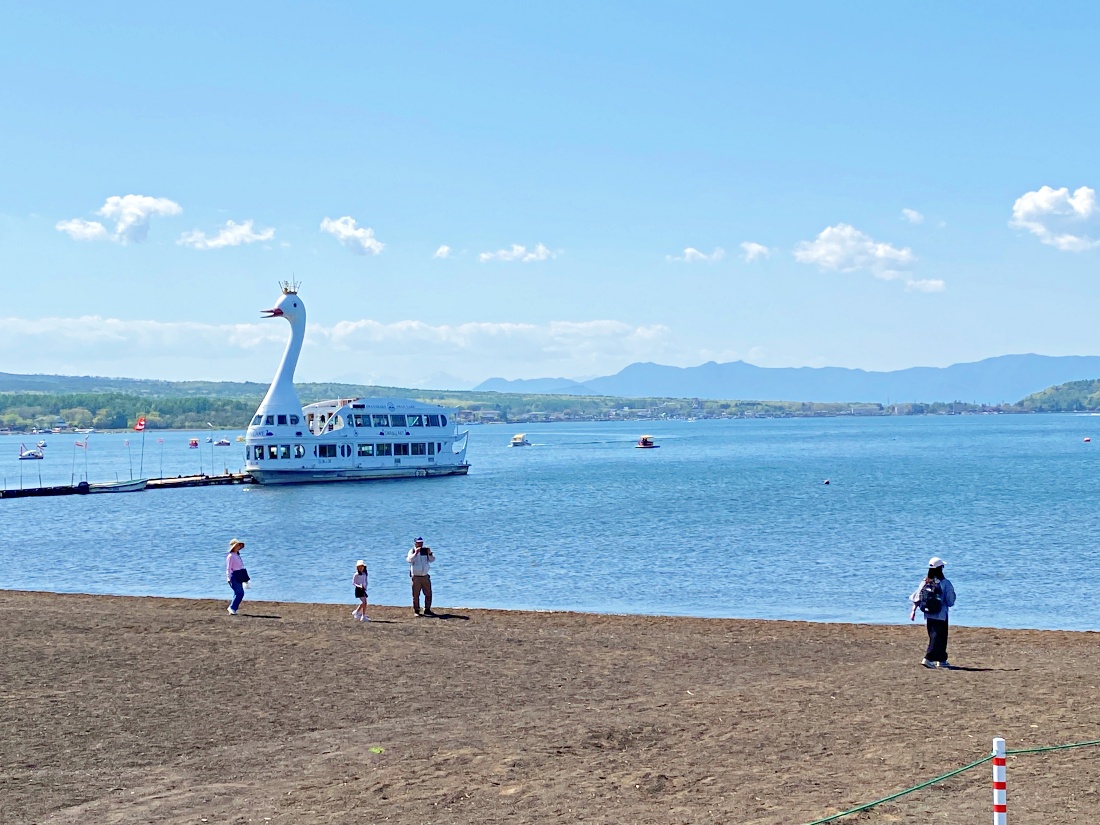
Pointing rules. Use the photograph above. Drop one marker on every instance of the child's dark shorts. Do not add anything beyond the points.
(360, 593)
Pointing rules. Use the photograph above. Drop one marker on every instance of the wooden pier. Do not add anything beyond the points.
(154, 484)
(200, 481)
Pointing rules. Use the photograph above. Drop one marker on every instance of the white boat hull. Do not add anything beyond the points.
(118, 486)
(363, 474)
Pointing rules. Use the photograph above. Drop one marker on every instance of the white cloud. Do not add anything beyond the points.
(1058, 218)
(912, 215)
(926, 285)
(81, 230)
(232, 234)
(754, 251)
(693, 255)
(518, 253)
(131, 214)
(844, 248)
(443, 252)
(359, 239)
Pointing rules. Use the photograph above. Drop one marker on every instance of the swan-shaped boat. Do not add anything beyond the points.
(346, 439)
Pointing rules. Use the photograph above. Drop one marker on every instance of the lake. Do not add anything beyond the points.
(725, 518)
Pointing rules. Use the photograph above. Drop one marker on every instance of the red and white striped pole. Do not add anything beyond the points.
(1000, 792)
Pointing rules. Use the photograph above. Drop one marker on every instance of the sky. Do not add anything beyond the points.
(526, 190)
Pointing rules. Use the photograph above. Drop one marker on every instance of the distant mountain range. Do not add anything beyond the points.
(1004, 379)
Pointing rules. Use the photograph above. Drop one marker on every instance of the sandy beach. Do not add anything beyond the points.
(134, 710)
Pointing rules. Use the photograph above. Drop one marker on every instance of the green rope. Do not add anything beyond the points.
(1052, 748)
(981, 761)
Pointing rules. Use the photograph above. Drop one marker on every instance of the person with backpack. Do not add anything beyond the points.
(934, 596)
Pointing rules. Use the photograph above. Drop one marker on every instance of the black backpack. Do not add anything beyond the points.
(930, 599)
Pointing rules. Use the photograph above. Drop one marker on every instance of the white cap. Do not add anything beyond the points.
(360, 563)
(935, 561)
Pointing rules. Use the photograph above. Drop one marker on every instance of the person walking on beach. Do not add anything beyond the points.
(420, 559)
(235, 574)
(934, 596)
(359, 581)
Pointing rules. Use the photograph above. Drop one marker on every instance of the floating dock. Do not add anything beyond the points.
(154, 484)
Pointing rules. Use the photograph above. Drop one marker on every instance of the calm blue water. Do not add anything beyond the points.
(727, 518)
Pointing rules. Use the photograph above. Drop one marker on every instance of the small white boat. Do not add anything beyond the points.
(646, 443)
(134, 486)
(222, 442)
(30, 455)
(520, 440)
(41, 445)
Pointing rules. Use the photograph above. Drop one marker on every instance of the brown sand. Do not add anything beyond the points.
(152, 710)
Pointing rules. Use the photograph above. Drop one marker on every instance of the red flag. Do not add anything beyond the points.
(83, 444)
(140, 425)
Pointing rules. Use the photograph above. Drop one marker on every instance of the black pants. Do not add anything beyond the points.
(937, 640)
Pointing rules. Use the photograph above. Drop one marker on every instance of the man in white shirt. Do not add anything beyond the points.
(420, 559)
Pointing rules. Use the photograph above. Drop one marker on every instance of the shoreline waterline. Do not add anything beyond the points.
(579, 614)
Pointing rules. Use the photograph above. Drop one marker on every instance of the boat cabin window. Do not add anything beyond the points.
(366, 450)
(258, 452)
(299, 451)
(257, 420)
(361, 420)
(293, 421)
(400, 449)
(419, 449)
(282, 420)
(442, 421)
(380, 420)
(433, 420)
(383, 449)
(397, 421)
(272, 451)
(270, 421)
(326, 451)
(431, 448)
(284, 451)
(416, 421)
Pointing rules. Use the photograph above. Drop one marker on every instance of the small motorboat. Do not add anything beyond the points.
(222, 442)
(520, 440)
(193, 443)
(30, 455)
(135, 486)
(646, 443)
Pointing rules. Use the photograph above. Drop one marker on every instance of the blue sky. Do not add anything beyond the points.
(529, 190)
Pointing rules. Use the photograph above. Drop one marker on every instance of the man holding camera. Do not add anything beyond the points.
(420, 559)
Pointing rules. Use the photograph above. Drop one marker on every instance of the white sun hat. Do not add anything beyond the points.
(935, 561)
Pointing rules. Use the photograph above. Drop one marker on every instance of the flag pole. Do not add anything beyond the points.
(141, 464)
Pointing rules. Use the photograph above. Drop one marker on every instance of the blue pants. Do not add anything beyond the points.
(238, 595)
